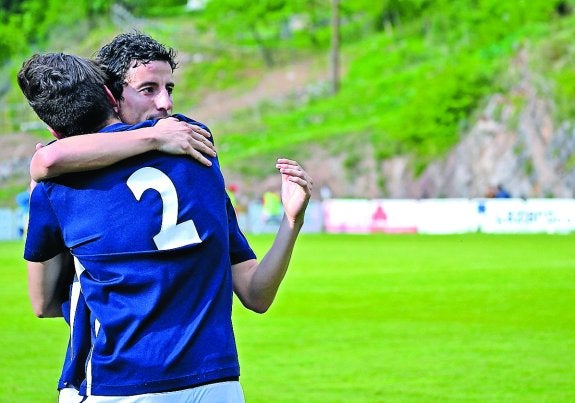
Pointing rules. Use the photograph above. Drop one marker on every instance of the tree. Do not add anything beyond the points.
(335, 37)
(259, 18)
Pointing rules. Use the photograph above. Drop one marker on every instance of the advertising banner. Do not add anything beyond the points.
(449, 216)
(527, 216)
(369, 216)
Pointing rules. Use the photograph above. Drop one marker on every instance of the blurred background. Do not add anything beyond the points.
(392, 99)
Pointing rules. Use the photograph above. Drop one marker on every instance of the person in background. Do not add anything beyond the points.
(502, 193)
(231, 191)
(271, 207)
(23, 203)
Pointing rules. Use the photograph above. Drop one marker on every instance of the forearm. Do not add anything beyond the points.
(262, 280)
(89, 152)
(48, 284)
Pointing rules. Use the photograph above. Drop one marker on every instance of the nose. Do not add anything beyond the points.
(164, 101)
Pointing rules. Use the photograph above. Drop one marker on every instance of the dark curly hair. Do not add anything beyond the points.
(129, 50)
(66, 92)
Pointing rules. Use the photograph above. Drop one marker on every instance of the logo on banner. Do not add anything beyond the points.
(379, 219)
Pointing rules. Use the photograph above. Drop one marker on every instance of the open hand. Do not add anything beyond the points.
(296, 189)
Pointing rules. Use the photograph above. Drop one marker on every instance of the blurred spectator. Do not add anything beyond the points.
(502, 193)
(231, 190)
(272, 207)
(491, 192)
(325, 192)
(23, 202)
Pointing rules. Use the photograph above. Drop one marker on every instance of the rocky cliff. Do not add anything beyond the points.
(513, 143)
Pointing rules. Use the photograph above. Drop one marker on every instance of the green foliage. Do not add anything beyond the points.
(556, 61)
(260, 19)
(39, 18)
(386, 14)
(151, 8)
(414, 87)
(34, 22)
(10, 40)
(439, 105)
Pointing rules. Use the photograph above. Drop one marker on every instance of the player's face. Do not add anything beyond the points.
(147, 92)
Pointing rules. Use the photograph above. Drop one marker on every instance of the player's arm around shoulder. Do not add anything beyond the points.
(96, 150)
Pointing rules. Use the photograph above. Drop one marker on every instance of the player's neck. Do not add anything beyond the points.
(111, 121)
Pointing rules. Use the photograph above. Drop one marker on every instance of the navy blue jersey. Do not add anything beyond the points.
(77, 315)
(153, 239)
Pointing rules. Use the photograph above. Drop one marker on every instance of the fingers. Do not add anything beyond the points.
(198, 156)
(294, 172)
(200, 130)
(288, 166)
(202, 136)
(200, 143)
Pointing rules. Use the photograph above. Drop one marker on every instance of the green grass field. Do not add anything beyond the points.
(382, 318)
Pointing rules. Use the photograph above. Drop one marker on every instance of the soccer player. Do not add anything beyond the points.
(142, 69)
(142, 83)
(152, 239)
(95, 151)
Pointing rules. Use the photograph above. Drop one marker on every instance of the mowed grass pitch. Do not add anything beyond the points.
(379, 318)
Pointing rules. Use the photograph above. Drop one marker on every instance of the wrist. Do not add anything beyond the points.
(295, 223)
(150, 139)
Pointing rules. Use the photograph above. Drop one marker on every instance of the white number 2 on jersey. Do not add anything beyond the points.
(172, 235)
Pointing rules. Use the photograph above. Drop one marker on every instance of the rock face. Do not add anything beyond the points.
(515, 146)
(513, 143)
(16, 150)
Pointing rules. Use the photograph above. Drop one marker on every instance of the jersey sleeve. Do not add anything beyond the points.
(240, 250)
(44, 238)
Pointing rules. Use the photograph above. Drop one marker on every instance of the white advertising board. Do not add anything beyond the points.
(368, 216)
(449, 216)
(527, 216)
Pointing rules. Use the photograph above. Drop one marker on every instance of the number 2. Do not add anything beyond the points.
(172, 235)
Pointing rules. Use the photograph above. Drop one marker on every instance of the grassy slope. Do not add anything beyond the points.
(410, 92)
(370, 318)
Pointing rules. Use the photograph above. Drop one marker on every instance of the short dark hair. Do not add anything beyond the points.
(129, 50)
(66, 92)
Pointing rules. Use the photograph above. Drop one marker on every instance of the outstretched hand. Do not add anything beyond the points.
(178, 137)
(296, 189)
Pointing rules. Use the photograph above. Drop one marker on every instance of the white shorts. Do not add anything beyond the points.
(220, 392)
(69, 395)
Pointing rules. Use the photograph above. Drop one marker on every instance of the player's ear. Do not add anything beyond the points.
(111, 98)
(55, 133)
